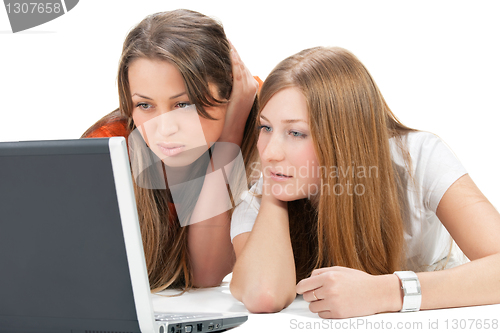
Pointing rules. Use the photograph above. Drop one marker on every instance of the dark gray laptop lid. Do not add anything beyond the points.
(63, 263)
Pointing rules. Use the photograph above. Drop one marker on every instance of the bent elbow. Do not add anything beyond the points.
(261, 296)
(266, 301)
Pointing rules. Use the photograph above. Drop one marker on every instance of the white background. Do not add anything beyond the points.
(436, 63)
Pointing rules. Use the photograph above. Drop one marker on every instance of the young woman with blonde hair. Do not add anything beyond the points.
(349, 195)
(182, 88)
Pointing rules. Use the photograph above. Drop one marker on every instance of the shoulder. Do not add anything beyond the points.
(423, 147)
(429, 150)
(423, 139)
(418, 140)
(435, 166)
(113, 124)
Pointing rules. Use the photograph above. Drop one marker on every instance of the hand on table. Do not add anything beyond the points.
(340, 292)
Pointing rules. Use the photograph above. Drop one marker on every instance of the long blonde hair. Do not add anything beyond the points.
(198, 47)
(351, 125)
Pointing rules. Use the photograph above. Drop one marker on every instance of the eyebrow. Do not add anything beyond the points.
(286, 121)
(172, 97)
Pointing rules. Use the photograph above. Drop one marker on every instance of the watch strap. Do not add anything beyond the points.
(412, 295)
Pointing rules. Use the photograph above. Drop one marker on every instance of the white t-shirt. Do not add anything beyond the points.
(434, 168)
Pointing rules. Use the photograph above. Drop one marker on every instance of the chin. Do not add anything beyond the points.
(175, 163)
(287, 197)
(288, 194)
(184, 159)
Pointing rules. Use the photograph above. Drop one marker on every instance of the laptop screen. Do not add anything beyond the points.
(63, 262)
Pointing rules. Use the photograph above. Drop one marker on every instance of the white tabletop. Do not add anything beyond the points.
(298, 318)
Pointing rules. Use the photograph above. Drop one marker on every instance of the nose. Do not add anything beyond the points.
(167, 124)
(273, 150)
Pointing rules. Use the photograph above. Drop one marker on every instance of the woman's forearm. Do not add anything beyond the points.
(264, 273)
(474, 224)
(210, 249)
(474, 283)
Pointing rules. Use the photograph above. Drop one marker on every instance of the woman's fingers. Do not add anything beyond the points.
(242, 78)
(309, 284)
(325, 314)
(319, 306)
(237, 66)
(313, 295)
(242, 98)
(324, 270)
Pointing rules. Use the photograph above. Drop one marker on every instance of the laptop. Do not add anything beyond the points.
(71, 254)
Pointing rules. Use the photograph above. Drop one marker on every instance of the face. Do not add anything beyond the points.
(286, 148)
(166, 119)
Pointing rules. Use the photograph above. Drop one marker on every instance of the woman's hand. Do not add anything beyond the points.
(340, 292)
(242, 97)
(268, 194)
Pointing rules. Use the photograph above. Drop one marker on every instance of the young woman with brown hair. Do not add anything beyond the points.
(182, 88)
(349, 195)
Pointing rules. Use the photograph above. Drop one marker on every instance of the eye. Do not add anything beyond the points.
(182, 105)
(296, 134)
(264, 128)
(144, 106)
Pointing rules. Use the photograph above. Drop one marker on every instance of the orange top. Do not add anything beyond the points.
(118, 128)
(107, 127)
(258, 80)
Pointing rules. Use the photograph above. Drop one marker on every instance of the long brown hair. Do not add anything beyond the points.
(350, 125)
(198, 47)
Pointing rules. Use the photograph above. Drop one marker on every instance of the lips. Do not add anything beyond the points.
(171, 149)
(279, 176)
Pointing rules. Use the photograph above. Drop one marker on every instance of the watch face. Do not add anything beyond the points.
(411, 287)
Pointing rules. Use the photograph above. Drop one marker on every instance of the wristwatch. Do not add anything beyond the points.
(411, 288)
